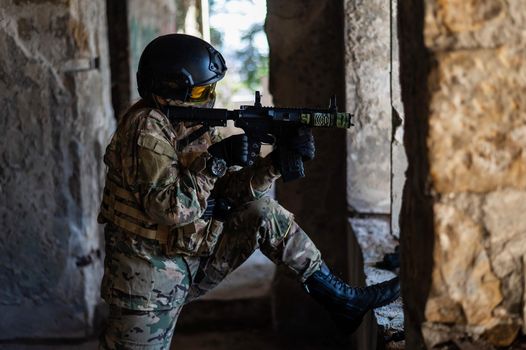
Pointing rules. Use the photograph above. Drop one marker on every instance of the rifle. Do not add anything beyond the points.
(266, 125)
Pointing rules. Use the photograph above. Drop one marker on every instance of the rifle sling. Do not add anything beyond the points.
(182, 143)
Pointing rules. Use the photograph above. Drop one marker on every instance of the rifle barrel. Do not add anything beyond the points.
(219, 116)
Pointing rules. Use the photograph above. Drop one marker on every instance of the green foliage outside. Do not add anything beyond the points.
(254, 62)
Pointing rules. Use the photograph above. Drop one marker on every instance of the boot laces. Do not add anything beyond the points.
(340, 285)
(344, 287)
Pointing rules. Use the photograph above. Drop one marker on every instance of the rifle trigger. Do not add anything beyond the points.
(267, 139)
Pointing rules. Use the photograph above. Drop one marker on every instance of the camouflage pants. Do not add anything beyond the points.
(262, 224)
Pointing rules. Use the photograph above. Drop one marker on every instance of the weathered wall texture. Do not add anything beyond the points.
(373, 152)
(398, 154)
(56, 116)
(367, 63)
(467, 190)
(306, 68)
(119, 49)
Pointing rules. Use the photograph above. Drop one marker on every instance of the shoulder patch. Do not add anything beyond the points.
(156, 145)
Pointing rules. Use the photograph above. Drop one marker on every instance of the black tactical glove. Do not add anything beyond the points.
(218, 209)
(301, 144)
(234, 150)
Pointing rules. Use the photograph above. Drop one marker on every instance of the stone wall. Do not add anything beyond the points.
(56, 119)
(375, 156)
(463, 230)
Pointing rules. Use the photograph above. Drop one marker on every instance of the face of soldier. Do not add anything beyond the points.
(209, 103)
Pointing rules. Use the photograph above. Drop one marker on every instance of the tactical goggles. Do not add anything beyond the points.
(201, 93)
(172, 90)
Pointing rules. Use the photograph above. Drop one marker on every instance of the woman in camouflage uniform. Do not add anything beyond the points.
(177, 222)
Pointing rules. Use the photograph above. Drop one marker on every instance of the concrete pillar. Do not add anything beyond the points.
(398, 154)
(306, 68)
(119, 45)
(375, 156)
(192, 18)
(133, 24)
(56, 120)
(463, 230)
(368, 63)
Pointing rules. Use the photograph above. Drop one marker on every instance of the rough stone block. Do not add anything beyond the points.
(469, 24)
(477, 132)
(503, 215)
(466, 291)
(463, 77)
(461, 267)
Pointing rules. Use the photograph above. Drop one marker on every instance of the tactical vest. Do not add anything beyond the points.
(121, 208)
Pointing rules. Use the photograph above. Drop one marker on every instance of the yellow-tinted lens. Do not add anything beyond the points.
(200, 93)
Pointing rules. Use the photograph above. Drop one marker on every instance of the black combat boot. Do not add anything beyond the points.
(347, 304)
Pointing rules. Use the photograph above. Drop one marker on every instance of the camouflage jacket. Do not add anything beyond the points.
(171, 187)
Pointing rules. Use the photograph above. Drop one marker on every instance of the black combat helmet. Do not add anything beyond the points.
(181, 67)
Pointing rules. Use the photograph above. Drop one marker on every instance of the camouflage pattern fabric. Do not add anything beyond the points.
(138, 276)
(145, 286)
(170, 186)
(262, 224)
(139, 330)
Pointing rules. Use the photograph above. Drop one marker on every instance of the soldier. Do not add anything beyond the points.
(179, 218)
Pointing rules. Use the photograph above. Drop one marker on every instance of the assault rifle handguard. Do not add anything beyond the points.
(267, 125)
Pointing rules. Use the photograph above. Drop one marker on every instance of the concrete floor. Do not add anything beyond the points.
(236, 315)
(226, 340)
(242, 340)
(253, 279)
(244, 293)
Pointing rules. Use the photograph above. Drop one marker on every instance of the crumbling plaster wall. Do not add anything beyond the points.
(464, 229)
(56, 119)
